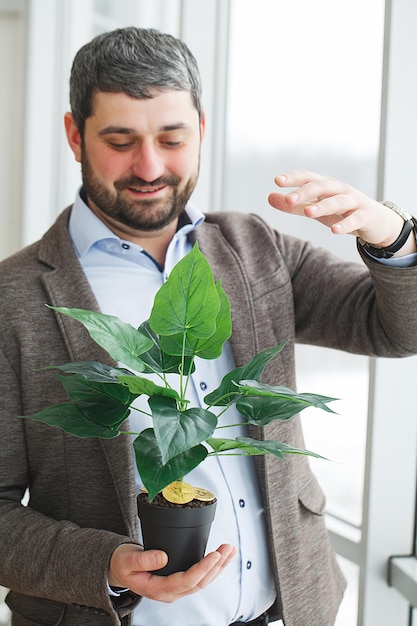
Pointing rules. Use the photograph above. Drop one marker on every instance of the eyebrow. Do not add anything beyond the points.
(122, 130)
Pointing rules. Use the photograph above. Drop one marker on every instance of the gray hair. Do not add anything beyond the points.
(135, 61)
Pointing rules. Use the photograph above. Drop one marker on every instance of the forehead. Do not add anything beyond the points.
(164, 109)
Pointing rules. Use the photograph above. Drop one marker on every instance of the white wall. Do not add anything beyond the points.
(12, 75)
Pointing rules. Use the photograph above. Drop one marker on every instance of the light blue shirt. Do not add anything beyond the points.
(124, 280)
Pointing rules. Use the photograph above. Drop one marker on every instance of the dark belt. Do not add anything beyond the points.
(262, 620)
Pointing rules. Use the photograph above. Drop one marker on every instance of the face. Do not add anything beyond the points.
(139, 158)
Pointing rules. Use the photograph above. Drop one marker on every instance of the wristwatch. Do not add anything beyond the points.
(389, 251)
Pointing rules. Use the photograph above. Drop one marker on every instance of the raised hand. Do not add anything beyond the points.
(341, 207)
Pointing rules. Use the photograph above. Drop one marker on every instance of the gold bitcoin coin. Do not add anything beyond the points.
(204, 495)
(179, 492)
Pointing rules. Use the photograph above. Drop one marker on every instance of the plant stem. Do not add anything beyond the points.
(135, 408)
(232, 425)
(126, 432)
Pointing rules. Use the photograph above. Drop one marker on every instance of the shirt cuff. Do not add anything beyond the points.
(115, 592)
(399, 261)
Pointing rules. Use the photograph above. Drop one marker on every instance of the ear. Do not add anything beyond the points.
(203, 125)
(73, 136)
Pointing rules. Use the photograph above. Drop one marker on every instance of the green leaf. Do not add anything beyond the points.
(156, 360)
(246, 446)
(91, 370)
(121, 341)
(139, 385)
(275, 447)
(220, 444)
(255, 388)
(227, 391)
(211, 347)
(262, 403)
(70, 418)
(261, 411)
(188, 302)
(154, 473)
(176, 430)
(106, 404)
(224, 446)
(207, 347)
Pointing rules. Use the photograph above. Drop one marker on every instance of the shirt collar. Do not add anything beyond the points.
(86, 229)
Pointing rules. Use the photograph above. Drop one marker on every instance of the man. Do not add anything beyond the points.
(72, 555)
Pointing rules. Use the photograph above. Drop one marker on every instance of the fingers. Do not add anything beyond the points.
(307, 187)
(296, 178)
(340, 212)
(310, 188)
(227, 552)
(180, 584)
(332, 202)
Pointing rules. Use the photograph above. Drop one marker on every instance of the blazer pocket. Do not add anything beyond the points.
(270, 283)
(31, 611)
(312, 498)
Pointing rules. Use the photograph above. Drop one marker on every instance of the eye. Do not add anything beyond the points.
(172, 139)
(172, 144)
(120, 146)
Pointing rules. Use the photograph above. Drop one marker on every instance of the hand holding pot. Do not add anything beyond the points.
(131, 567)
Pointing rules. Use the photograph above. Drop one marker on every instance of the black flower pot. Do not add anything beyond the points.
(180, 532)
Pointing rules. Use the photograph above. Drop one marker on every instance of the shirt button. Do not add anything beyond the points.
(248, 564)
(242, 504)
(203, 386)
(125, 246)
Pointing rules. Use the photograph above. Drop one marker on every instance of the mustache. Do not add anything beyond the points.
(135, 181)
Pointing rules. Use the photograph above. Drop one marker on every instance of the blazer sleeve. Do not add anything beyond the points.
(41, 556)
(365, 308)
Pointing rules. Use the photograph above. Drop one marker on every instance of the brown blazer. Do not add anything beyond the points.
(54, 553)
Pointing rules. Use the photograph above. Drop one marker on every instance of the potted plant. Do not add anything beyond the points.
(190, 318)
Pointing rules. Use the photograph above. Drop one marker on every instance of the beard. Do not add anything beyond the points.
(138, 214)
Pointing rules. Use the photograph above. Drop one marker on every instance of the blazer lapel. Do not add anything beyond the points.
(227, 267)
(66, 285)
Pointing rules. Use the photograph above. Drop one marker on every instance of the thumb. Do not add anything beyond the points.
(129, 558)
(149, 560)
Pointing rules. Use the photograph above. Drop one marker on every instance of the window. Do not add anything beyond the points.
(301, 96)
(304, 91)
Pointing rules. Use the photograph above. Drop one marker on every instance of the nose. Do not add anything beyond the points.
(148, 162)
